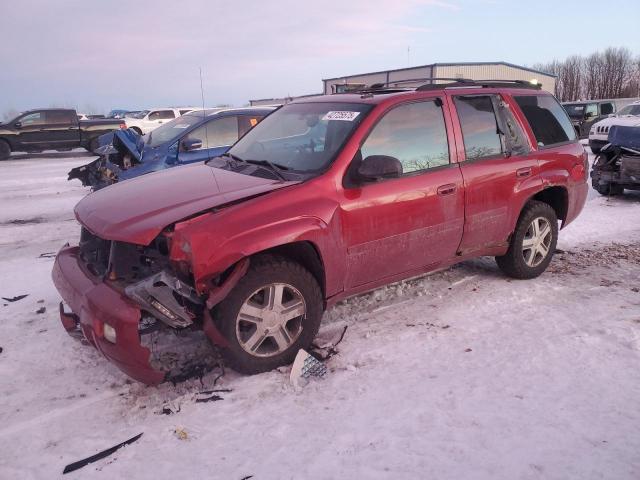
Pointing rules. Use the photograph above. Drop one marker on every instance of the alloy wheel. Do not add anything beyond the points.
(537, 241)
(270, 320)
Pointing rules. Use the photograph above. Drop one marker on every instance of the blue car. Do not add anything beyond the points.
(193, 137)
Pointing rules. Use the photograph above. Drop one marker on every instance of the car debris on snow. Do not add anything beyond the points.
(72, 467)
(16, 298)
(328, 350)
(304, 367)
(181, 433)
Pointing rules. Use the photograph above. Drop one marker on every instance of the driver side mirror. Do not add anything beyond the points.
(379, 167)
(190, 144)
(18, 124)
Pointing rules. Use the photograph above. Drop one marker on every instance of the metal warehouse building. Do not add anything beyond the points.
(471, 71)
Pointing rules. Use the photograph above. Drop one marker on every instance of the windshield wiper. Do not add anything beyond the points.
(228, 156)
(274, 167)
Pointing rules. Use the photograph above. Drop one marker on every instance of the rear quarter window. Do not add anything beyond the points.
(548, 120)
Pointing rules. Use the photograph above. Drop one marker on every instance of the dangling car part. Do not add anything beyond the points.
(617, 166)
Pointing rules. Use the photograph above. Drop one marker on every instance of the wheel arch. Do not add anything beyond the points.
(557, 197)
(307, 254)
(306, 240)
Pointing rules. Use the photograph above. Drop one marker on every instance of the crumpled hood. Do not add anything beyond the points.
(123, 141)
(137, 210)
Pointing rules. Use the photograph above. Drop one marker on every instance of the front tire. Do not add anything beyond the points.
(532, 243)
(273, 311)
(5, 150)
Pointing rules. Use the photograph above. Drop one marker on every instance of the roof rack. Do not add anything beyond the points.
(484, 84)
(428, 83)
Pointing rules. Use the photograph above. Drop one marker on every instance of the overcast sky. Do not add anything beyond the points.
(99, 55)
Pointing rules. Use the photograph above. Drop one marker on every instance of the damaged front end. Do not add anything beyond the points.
(119, 151)
(617, 166)
(139, 307)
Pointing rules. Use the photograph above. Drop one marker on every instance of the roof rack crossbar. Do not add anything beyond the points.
(395, 83)
(484, 84)
(429, 84)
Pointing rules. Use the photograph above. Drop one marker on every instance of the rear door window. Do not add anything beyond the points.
(219, 132)
(162, 115)
(182, 112)
(480, 130)
(606, 108)
(60, 117)
(414, 133)
(548, 120)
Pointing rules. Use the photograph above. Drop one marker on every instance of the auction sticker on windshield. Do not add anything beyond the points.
(341, 115)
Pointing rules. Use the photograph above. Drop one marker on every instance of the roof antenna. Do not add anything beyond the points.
(206, 128)
(204, 115)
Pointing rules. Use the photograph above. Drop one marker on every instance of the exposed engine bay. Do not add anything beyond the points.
(119, 151)
(617, 166)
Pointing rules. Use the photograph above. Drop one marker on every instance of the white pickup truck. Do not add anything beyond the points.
(628, 116)
(148, 120)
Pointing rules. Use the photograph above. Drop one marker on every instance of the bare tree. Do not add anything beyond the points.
(612, 73)
(571, 78)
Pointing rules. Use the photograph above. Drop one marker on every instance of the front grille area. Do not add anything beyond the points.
(94, 253)
(123, 261)
(603, 129)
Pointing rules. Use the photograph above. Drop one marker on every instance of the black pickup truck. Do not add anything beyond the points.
(52, 129)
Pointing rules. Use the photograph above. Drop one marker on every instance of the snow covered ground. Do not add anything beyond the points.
(463, 374)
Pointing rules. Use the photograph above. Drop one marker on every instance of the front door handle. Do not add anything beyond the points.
(447, 189)
(523, 172)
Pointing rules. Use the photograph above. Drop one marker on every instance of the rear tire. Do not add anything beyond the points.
(532, 243)
(137, 130)
(5, 150)
(259, 317)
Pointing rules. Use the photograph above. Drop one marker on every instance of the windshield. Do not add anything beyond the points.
(575, 110)
(630, 110)
(173, 129)
(303, 137)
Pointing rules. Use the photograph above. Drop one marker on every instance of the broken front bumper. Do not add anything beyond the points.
(94, 304)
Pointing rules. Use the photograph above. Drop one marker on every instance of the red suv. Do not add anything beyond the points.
(326, 198)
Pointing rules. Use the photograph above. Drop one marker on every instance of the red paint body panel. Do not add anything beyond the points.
(96, 303)
(366, 236)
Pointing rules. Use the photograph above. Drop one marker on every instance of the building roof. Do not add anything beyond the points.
(432, 65)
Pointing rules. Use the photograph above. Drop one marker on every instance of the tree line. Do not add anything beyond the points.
(612, 73)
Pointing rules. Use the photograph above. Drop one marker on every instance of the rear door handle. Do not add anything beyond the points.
(447, 189)
(523, 172)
